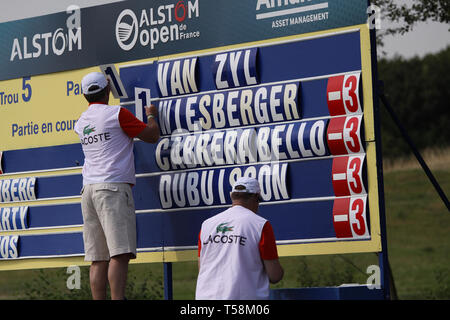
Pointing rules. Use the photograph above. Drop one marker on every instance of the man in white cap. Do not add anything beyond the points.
(109, 221)
(237, 252)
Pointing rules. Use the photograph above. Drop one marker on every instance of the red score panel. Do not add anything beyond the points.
(349, 217)
(344, 135)
(347, 176)
(343, 94)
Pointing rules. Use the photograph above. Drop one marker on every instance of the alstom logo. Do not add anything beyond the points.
(150, 27)
(55, 42)
(286, 7)
(127, 29)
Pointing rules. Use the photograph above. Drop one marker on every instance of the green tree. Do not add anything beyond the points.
(408, 15)
(418, 91)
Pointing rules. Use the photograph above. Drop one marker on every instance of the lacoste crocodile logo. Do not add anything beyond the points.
(223, 227)
(87, 131)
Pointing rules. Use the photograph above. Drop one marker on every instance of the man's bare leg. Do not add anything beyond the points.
(117, 275)
(98, 277)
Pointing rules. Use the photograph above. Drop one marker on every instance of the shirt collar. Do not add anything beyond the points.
(96, 103)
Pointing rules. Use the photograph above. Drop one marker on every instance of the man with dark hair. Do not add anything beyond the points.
(237, 252)
(109, 221)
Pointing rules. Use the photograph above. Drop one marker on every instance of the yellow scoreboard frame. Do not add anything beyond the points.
(58, 96)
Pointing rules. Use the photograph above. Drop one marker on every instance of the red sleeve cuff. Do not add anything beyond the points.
(131, 125)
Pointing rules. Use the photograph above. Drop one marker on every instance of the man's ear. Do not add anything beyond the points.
(108, 91)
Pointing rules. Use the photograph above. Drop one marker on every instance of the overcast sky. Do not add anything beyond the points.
(425, 38)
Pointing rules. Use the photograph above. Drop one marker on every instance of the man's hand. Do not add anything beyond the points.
(152, 110)
(151, 133)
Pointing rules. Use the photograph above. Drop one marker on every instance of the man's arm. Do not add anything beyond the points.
(269, 254)
(151, 131)
(274, 270)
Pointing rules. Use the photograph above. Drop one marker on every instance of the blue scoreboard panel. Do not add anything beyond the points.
(295, 112)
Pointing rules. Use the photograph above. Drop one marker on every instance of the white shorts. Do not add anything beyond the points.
(109, 227)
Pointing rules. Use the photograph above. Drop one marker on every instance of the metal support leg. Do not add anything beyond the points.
(414, 149)
(168, 289)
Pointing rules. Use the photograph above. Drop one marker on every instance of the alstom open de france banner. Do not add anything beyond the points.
(139, 29)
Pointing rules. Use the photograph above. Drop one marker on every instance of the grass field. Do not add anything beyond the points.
(418, 228)
(418, 233)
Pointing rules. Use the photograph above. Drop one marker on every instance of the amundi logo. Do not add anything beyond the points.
(126, 29)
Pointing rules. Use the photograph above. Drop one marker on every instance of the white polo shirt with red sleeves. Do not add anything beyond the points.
(232, 246)
(106, 134)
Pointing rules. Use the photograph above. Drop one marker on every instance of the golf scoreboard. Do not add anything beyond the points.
(278, 90)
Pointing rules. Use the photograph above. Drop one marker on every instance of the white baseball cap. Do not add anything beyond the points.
(246, 184)
(93, 79)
